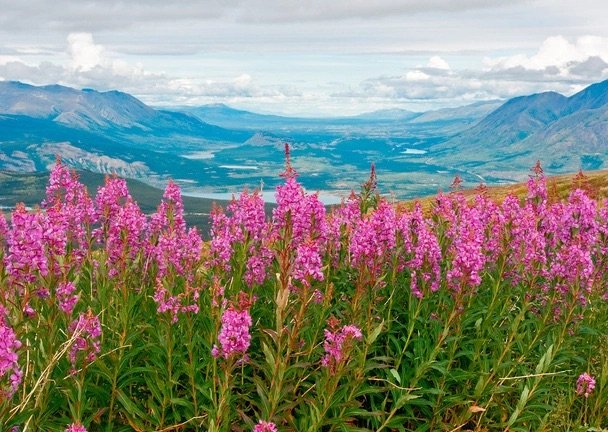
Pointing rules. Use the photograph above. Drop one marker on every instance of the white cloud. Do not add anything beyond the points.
(89, 64)
(416, 75)
(4, 59)
(85, 54)
(558, 64)
(437, 62)
(555, 51)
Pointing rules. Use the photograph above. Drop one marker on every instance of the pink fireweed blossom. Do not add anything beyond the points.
(55, 225)
(109, 200)
(585, 384)
(171, 244)
(86, 330)
(466, 251)
(184, 302)
(303, 213)
(66, 299)
(256, 269)
(583, 213)
(307, 264)
(234, 337)
(374, 238)
(337, 345)
(26, 257)
(75, 427)
(318, 297)
(248, 218)
(340, 224)
(170, 212)
(264, 426)
(222, 239)
(10, 372)
(420, 242)
(528, 244)
(493, 221)
(537, 188)
(572, 265)
(125, 236)
(448, 211)
(3, 230)
(242, 227)
(74, 209)
(603, 229)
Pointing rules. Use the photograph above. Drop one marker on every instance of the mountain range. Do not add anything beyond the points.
(216, 148)
(566, 133)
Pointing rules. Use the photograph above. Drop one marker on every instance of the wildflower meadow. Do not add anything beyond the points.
(475, 315)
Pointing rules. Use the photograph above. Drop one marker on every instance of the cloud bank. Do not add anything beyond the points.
(312, 58)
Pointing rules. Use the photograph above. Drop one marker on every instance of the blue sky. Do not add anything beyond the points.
(312, 57)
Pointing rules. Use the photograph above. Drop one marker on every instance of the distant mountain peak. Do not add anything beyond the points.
(566, 133)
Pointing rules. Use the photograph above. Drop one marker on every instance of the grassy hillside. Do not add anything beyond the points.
(559, 187)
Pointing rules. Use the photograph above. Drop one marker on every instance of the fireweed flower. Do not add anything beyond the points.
(603, 229)
(466, 251)
(537, 188)
(171, 244)
(374, 238)
(264, 426)
(3, 230)
(170, 212)
(583, 220)
(447, 212)
(256, 269)
(337, 345)
(87, 331)
(10, 372)
(109, 200)
(176, 251)
(234, 337)
(419, 242)
(125, 236)
(303, 213)
(26, 249)
(243, 227)
(75, 427)
(74, 209)
(55, 226)
(66, 299)
(585, 384)
(528, 243)
(248, 217)
(185, 302)
(492, 220)
(340, 223)
(307, 264)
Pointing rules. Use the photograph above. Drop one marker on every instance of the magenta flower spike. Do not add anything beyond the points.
(234, 337)
(265, 426)
(585, 384)
(10, 372)
(75, 427)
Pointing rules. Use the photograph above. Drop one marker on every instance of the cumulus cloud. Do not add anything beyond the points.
(558, 59)
(437, 62)
(90, 65)
(85, 53)
(559, 65)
